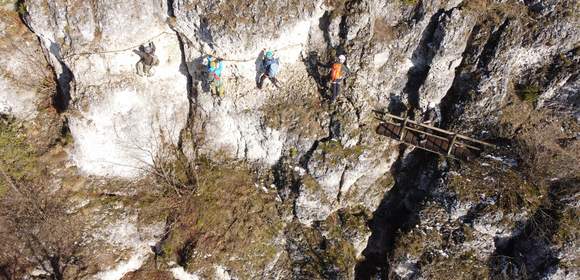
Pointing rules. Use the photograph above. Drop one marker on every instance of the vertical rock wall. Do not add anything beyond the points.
(470, 58)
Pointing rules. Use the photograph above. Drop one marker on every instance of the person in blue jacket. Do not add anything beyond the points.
(271, 66)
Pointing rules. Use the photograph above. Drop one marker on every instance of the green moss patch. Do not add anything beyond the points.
(17, 157)
(528, 93)
(334, 152)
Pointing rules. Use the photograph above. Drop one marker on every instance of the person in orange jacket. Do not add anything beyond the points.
(339, 71)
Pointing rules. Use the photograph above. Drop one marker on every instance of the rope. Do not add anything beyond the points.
(121, 50)
(165, 32)
(252, 59)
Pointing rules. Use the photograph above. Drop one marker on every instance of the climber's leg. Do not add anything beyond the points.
(261, 82)
(212, 88)
(335, 91)
(220, 89)
(147, 70)
(275, 82)
(139, 67)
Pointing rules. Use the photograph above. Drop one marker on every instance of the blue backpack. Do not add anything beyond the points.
(273, 67)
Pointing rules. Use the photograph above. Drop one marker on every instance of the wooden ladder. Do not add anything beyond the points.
(430, 138)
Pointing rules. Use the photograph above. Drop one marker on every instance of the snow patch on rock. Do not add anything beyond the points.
(127, 122)
(180, 274)
(222, 273)
(17, 102)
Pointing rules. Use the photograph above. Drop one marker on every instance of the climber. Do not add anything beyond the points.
(147, 61)
(339, 71)
(429, 117)
(270, 66)
(214, 77)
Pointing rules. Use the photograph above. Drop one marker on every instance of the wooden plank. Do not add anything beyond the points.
(450, 149)
(476, 141)
(427, 133)
(403, 125)
(418, 123)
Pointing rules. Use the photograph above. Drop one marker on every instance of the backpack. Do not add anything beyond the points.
(336, 72)
(215, 69)
(273, 68)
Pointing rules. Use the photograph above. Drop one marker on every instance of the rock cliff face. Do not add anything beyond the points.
(283, 184)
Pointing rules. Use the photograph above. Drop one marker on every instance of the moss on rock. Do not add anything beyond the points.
(17, 157)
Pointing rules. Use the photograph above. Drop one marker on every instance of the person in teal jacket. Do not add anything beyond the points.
(214, 78)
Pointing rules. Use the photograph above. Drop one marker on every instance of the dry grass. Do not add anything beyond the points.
(409, 2)
(227, 216)
(544, 148)
(383, 32)
(511, 189)
(495, 12)
(463, 267)
(43, 234)
(326, 251)
(300, 115)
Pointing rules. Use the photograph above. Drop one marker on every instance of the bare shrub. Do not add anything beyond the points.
(172, 169)
(43, 235)
(37, 232)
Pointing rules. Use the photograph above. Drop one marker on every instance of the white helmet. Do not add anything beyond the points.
(431, 105)
(342, 58)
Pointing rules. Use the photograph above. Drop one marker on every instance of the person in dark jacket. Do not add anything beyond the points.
(430, 117)
(147, 61)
